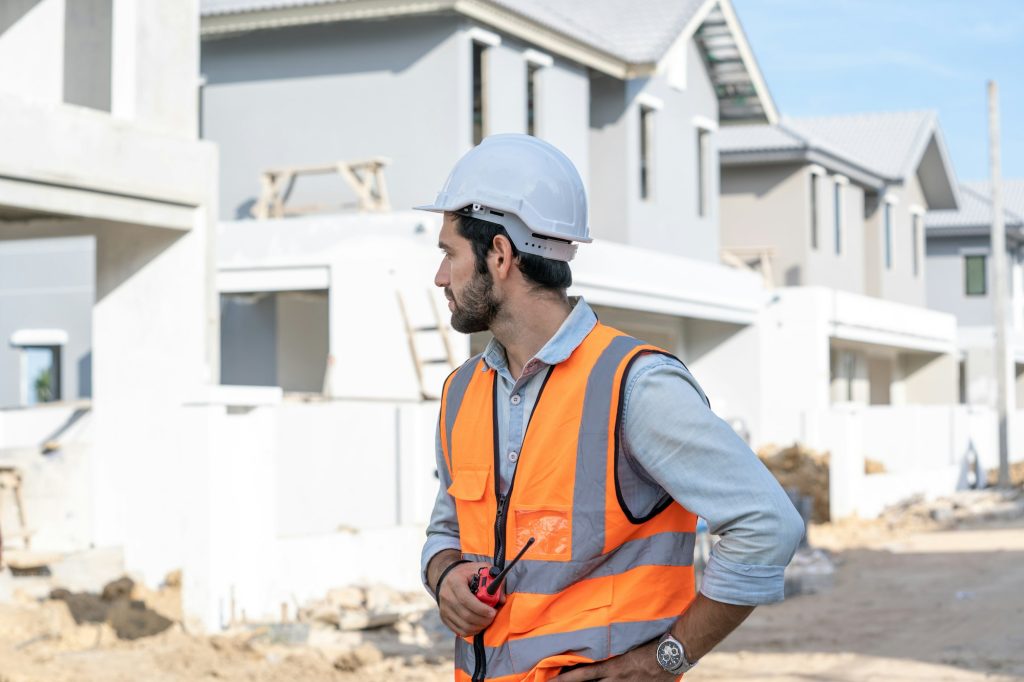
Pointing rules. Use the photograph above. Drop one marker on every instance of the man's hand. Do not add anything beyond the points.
(638, 665)
(460, 610)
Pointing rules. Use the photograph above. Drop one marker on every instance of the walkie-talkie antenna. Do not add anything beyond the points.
(496, 582)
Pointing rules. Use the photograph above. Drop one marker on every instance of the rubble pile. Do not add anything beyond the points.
(364, 628)
(1016, 475)
(801, 469)
(962, 507)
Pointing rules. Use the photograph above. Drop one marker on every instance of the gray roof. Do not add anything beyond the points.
(881, 148)
(638, 32)
(888, 145)
(975, 212)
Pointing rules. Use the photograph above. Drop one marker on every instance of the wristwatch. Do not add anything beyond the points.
(672, 656)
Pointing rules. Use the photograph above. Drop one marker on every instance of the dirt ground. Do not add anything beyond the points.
(908, 604)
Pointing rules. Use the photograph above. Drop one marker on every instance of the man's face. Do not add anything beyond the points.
(470, 295)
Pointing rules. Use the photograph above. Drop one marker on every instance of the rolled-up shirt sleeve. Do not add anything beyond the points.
(443, 529)
(672, 438)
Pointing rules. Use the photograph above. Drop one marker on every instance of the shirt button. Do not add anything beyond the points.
(513, 456)
(516, 399)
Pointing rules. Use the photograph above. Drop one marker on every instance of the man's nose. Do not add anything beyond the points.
(441, 278)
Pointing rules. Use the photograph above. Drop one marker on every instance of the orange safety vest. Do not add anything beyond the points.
(598, 581)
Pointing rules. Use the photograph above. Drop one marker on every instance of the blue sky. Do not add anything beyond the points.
(824, 57)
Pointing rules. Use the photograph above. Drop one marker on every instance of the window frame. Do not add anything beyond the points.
(478, 91)
(983, 259)
(646, 156)
(839, 182)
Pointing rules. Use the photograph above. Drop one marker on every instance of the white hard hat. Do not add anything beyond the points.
(525, 185)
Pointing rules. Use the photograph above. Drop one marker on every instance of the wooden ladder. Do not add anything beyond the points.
(438, 327)
(10, 479)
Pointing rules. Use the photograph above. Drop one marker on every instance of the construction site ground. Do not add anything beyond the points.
(931, 592)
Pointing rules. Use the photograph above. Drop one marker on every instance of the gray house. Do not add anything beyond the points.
(633, 92)
(838, 203)
(960, 280)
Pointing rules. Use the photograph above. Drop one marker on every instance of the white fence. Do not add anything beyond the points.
(266, 503)
(925, 450)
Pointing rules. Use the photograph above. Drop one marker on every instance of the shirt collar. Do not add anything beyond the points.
(570, 335)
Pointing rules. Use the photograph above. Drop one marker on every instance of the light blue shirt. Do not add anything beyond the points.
(672, 439)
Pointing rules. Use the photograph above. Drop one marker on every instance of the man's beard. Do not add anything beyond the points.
(477, 307)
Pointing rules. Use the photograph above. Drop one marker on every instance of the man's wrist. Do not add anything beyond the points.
(439, 563)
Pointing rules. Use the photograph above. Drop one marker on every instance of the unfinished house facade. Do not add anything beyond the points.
(107, 209)
(959, 260)
(314, 302)
(831, 212)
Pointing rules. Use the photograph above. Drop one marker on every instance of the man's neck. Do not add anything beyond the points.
(523, 335)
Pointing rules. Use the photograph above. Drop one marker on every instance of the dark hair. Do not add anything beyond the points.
(543, 273)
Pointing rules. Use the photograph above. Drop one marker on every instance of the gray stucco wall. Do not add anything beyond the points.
(770, 206)
(351, 90)
(763, 206)
(945, 278)
(898, 282)
(668, 221)
(825, 267)
(48, 284)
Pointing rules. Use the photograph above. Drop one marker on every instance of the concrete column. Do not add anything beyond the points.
(155, 78)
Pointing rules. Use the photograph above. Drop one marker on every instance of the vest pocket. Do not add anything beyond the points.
(469, 484)
(550, 526)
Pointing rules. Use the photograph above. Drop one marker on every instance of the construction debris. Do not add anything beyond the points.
(801, 469)
(1016, 475)
(129, 618)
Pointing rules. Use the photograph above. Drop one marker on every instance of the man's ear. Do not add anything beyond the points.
(502, 257)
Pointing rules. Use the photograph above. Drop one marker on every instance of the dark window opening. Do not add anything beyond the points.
(974, 275)
(814, 211)
(646, 130)
(703, 170)
(479, 101)
(531, 98)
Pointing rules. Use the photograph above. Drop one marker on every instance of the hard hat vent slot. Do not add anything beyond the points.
(496, 213)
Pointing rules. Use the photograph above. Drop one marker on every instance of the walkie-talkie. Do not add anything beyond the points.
(486, 584)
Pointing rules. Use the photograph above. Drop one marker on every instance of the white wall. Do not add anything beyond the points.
(32, 37)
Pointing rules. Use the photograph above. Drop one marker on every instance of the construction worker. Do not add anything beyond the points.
(599, 447)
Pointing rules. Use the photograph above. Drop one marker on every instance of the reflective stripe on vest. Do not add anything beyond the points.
(598, 581)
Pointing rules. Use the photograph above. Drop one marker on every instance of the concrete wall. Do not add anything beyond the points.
(668, 220)
(946, 279)
(317, 94)
(32, 36)
(769, 206)
(897, 282)
(726, 359)
(352, 90)
(275, 339)
(930, 379)
(48, 284)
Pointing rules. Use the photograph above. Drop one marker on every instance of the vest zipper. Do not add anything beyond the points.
(480, 656)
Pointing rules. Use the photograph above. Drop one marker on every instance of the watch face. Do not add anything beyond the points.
(670, 655)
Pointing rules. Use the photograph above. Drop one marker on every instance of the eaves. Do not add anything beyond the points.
(854, 172)
(220, 25)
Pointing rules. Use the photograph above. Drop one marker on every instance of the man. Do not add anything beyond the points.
(601, 448)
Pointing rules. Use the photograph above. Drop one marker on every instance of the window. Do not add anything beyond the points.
(837, 201)
(40, 374)
(646, 133)
(974, 275)
(703, 170)
(531, 97)
(915, 235)
(888, 235)
(814, 211)
(479, 89)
